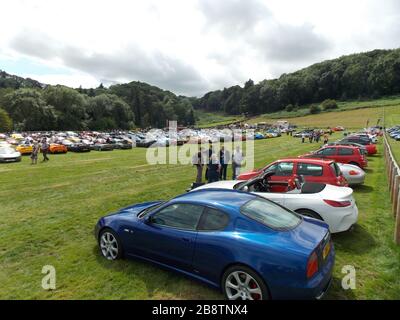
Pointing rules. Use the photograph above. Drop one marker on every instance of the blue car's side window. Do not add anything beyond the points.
(213, 220)
(179, 215)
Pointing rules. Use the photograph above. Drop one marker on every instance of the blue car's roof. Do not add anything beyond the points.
(228, 199)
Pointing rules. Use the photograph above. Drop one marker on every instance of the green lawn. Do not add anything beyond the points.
(48, 213)
(351, 114)
(208, 119)
(343, 106)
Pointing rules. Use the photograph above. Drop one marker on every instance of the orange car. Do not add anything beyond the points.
(57, 148)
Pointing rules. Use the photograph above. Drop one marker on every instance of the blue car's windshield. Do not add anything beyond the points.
(270, 214)
(144, 212)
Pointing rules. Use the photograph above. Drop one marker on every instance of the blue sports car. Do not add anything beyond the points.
(245, 245)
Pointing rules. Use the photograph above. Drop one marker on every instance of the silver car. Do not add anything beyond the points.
(353, 174)
(8, 154)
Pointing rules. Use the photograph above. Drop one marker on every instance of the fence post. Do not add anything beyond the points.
(397, 230)
(391, 173)
(397, 209)
(395, 193)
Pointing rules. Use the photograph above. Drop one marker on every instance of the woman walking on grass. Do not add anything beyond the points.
(35, 152)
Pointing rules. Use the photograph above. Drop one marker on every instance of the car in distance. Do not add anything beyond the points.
(122, 146)
(102, 147)
(365, 141)
(334, 205)
(340, 154)
(306, 133)
(79, 147)
(246, 246)
(24, 148)
(57, 148)
(8, 154)
(313, 170)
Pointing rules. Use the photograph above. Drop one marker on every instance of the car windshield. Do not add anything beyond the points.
(239, 185)
(270, 214)
(336, 169)
(144, 212)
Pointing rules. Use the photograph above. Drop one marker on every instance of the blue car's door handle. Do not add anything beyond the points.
(186, 240)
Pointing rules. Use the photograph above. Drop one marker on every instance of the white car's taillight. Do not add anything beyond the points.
(338, 204)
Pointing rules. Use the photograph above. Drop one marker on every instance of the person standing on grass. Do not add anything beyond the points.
(198, 163)
(237, 160)
(213, 169)
(208, 156)
(317, 136)
(35, 152)
(224, 157)
(326, 139)
(45, 149)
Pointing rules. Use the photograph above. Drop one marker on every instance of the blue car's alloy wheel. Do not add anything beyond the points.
(241, 283)
(109, 245)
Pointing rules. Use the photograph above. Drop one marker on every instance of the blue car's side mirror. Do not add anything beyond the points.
(148, 220)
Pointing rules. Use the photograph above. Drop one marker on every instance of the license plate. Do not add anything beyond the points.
(326, 250)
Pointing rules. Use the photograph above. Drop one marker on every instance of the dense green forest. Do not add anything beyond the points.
(367, 75)
(35, 106)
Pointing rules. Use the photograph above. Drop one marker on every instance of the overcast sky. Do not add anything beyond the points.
(189, 47)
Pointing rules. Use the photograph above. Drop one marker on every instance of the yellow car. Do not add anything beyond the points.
(24, 148)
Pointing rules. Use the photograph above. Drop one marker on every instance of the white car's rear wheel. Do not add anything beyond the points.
(309, 213)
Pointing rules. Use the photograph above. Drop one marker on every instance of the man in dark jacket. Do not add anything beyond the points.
(224, 157)
(213, 169)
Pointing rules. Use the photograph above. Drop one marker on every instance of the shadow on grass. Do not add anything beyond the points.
(363, 189)
(368, 170)
(356, 241)
(159, 279)
(336, 291)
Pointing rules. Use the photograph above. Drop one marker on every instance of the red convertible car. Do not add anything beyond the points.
(313, 170)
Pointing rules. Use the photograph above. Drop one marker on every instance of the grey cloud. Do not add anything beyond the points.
(233, 16)
(251, 24)
(287, 43)
(128, 64)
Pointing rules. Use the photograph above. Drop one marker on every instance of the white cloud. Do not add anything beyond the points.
(191, 46)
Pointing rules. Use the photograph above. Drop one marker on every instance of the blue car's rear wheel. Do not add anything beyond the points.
(110, 245)
(242, 283)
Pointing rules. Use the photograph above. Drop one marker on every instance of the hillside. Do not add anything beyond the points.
(368, 75)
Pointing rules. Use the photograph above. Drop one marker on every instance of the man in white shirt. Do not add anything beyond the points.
(237, 160)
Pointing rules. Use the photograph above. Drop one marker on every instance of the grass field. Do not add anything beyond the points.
(48, 211)
(208, 119)
(343, 106)
(351, 114)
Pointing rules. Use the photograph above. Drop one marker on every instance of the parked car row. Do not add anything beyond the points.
(394, 132)
(84, 141)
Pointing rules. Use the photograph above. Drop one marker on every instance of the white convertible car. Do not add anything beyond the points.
(334, 205)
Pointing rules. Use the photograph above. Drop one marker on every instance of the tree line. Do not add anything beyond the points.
(126, 106)
(31, 105)
(368, 75)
